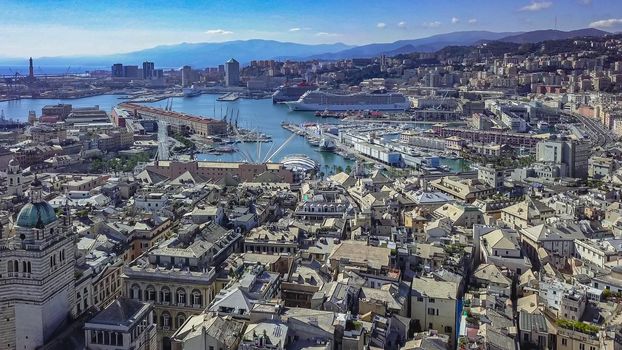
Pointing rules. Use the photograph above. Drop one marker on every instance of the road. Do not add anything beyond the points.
(598, 133)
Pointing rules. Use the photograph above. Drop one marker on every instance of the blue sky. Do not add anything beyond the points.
(52, 28)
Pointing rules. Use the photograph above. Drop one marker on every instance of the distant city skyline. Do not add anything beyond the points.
(65, 28)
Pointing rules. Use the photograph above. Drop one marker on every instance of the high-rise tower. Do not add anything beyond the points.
(232, 73)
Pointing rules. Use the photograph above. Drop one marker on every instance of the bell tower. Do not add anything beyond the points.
(15, 179)
(37, 275)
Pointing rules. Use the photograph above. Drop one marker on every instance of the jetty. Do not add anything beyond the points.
(228, 97)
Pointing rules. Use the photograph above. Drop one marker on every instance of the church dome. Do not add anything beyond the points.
(36, 215)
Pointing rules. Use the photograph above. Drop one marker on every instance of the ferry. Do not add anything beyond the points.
(377, 101)
(191, 91)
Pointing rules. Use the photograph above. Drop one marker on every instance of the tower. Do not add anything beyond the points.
(232, 73)
(31, 71)
(14, 179)
(148, 68)
(186, 76)
(37, 275)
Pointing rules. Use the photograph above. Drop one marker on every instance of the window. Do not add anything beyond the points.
(420, 299)
(431, 300)
(150, 294)
(197, 298)
(581, 346)
(181, 318)
(564, 341)
(165, 320)
(447, 329)
(165, 295)
(181, 296)
(431, 311)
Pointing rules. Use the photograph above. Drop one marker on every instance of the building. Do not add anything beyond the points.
(187, 76)
(123, 325)
(179, 275)
(130, 71)
(47, 133)
(232, 73)
(573, 339)
(59, 110)
(490, 176)
(38, 261)
(459, 215)
(488, 136)
(203, 332)
(434, 306)
(116, 70)
(148, 70)
(271, 241)
(529, 212)
(601, 167)
(533, 330)
(177, 122)
(87, 115)
(573, 154)
(465, 189)
(218, 170)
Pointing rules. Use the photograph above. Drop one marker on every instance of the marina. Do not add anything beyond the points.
(260, 121)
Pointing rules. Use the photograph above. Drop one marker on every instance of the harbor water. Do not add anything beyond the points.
(260, 115)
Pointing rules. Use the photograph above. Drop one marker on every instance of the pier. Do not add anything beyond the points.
(229, 97)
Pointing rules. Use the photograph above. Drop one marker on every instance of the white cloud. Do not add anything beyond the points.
(434, 24)
(401, 24)
(326, 34)
(218, 32)
(381, 25)
(472, 21)
(607, 23)
(299, 29)
(455, 20)
(537, 6)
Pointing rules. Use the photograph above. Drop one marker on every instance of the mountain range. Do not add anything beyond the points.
(199, 55)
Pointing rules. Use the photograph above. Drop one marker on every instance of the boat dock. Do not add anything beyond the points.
(229, 97)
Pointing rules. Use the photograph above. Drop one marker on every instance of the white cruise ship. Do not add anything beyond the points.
(321, 101)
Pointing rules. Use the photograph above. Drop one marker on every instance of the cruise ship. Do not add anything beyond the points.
(325, 101)
(287, 93)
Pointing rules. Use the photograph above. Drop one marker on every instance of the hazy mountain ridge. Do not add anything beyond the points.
(552, 34)
(200, 55)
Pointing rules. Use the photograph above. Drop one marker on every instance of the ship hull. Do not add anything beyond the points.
(299, 106)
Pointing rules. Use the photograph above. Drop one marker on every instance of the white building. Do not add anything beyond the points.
(433, 305)
(37, 276)
(16, 180)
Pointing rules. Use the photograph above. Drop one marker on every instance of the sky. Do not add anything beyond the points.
(97, 27)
